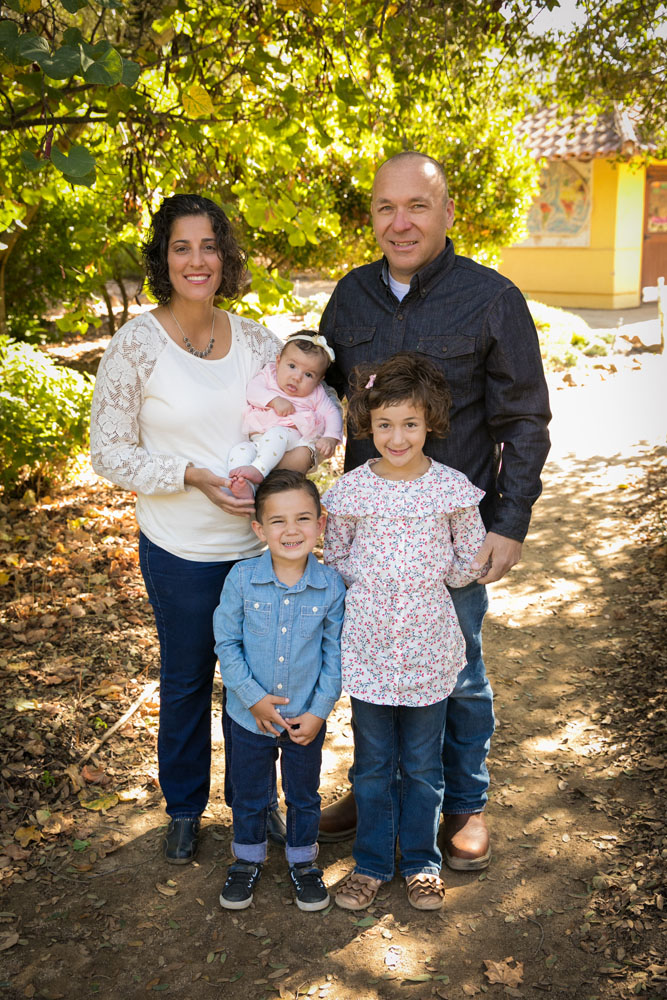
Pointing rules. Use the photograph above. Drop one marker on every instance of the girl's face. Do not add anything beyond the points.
(195, 269)
(298, 373)
(399, 433)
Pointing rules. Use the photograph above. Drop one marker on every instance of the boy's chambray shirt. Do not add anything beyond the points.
(280, 640)
(475, 325)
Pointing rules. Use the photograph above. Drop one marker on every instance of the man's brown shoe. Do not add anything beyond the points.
(466, 842)
(339, 820)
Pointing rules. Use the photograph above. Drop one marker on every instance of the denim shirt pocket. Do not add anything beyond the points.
(454, 354)
(355, 341)
(311, 618)
(257, 616)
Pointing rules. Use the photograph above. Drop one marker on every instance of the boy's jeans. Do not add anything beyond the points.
(392, 742)
(252, 763)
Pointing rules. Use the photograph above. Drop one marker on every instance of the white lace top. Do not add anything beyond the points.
(157, 408)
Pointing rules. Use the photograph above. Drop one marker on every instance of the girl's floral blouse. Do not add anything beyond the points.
(398, 545)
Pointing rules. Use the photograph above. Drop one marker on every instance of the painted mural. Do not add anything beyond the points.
(561, 214)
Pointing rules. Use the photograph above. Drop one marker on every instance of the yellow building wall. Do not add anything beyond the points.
(607, 273)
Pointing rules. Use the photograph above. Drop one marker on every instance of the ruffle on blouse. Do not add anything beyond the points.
(441, 490)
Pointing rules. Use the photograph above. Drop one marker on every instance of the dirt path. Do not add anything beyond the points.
(572, 903)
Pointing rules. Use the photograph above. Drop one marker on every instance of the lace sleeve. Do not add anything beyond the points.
(116, 454)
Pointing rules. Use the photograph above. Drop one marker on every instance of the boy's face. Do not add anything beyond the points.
(298, 373)
(290, 525)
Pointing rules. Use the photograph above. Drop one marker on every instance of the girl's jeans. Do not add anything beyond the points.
(253, 773)
(398, 787)
(184, 594)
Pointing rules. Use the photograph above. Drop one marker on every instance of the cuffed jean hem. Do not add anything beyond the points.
(250, 852)
(179, 815)
(370, 874)
(300, 855)
(420, 870)
(462, 812)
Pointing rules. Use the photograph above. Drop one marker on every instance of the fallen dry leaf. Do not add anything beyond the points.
(26, 834)
(166, 890)
(502, 972)
(100, 804)
(8, 940)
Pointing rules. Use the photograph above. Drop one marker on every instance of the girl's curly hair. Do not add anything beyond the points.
(155, 248)
(401, 378)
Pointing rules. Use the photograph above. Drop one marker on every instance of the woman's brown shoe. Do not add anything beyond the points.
(339, 820)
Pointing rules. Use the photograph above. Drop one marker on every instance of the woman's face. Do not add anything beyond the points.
(195, 269)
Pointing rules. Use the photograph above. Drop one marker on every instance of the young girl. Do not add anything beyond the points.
(287, 407)
(400, 528)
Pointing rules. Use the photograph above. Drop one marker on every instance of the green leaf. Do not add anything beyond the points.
(72, 36)
(73, 6)
(197, 103)
(31, 48)
(9, 36)
(31, 161)
(106, 69)
(62, 64)
(77, 163)
(131, 73)
(365, 922)
(81, 845)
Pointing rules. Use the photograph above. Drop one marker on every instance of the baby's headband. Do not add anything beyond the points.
(315, 338)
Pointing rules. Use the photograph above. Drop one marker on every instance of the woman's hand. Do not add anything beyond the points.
(215, 488)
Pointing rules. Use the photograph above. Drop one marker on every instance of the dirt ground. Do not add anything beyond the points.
(572, 904)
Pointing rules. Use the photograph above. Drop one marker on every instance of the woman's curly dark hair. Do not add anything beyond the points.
(155, 248)
(401, 378)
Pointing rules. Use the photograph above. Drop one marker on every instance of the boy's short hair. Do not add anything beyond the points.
(281, 481)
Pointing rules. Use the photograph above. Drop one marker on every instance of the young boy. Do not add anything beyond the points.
(277, 631)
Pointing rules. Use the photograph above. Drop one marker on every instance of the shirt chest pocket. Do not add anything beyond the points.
(454, 356)
(311, 619)
(257, 615)
(354, 342)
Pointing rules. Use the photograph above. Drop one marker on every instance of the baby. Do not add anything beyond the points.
(287, 407)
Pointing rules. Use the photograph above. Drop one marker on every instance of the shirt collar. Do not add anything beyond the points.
(424, 280)
(314, 575)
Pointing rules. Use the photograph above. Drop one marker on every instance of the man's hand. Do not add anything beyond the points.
(283, 407)
(265, 713)
(326, 447)
(304, 728)
(500, 553)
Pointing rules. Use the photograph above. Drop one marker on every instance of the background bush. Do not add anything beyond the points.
(44, 415)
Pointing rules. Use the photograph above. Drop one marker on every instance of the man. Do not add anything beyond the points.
(476, 325)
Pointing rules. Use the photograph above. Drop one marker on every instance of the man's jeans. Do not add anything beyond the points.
(470, 720)
(184, 594)
(252, 763)
(398, 785)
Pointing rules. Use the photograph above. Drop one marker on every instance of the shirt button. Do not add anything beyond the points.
(400, 316)
(281, 659)
(444, 350)
(314, 609)
(283, 630)
(256, 605)
(286, 600)
(280, 687)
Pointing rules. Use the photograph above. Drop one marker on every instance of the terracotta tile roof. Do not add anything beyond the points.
(581, 137)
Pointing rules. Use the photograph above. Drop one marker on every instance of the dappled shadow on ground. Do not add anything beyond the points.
(575, 648)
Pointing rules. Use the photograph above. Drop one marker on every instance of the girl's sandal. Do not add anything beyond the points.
(356, 892)
(426, 891)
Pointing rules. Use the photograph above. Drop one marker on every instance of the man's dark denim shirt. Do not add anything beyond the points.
(475, 325)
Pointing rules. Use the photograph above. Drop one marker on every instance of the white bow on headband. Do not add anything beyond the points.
(316, 339)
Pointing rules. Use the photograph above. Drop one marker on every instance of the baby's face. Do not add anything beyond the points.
(298, 373)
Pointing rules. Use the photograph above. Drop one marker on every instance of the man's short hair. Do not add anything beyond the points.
(282, 481)
(414, 154)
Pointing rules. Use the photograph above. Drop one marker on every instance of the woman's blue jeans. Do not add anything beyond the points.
(398, 787)
(184, 594)
(253, 773)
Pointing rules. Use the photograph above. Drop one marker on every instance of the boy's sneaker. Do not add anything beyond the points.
(242, 877)
(311, 892)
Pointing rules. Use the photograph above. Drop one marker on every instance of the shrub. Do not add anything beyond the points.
(44, 415)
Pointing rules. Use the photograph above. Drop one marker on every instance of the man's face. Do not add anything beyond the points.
(411, 215)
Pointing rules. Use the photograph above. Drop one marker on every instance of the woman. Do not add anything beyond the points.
(167, 407)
